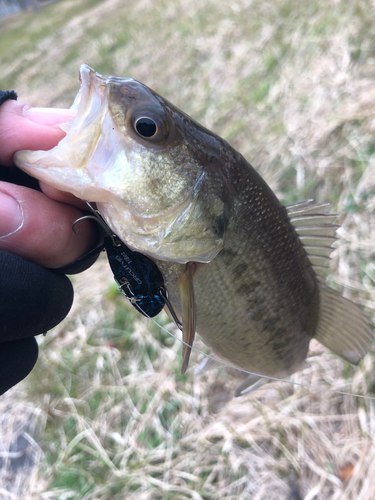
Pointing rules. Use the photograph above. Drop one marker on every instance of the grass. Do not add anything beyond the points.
(106, 410)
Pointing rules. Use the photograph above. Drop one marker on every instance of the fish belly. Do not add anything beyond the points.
(245, 315)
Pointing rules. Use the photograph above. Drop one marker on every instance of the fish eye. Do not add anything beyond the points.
(146, 127)
(151, 125)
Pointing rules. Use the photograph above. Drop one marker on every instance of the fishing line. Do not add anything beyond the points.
(227, 365)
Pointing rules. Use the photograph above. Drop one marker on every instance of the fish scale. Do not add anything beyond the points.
(261, 323)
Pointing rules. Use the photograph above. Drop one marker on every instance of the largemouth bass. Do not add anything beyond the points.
(241, 269)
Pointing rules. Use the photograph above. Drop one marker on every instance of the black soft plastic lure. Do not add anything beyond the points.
(138, 277)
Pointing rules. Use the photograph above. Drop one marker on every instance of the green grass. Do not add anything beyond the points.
(290, 85)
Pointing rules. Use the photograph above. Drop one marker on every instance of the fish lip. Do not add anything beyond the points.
(90, 78)
(90, 96)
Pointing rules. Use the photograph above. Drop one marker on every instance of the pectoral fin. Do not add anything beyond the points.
(186, 286)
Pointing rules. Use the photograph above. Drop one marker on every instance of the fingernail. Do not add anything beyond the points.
(11, 215)
(50, 116)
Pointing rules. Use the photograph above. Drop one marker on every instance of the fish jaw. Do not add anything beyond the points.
(153, 196)
(64, 166)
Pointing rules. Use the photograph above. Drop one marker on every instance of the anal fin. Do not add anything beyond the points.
(343, 327)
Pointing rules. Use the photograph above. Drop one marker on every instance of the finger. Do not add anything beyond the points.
(40, 229)
(62, 196)
(24, 127)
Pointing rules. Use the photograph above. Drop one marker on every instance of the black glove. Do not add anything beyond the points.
(32, 300)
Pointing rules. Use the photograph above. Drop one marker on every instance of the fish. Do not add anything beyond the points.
(240, 269)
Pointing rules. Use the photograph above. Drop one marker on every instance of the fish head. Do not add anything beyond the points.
(144, 163)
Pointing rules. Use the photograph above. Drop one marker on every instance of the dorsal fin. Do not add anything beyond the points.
(342, 326)
(313, 220)
(316, 232)
(296, 206)
(318, 251)
(305, 207)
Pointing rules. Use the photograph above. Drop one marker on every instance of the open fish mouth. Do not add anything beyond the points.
(63, 167)
(89, 99)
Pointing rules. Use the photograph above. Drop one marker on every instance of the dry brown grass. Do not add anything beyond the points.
(291, 85)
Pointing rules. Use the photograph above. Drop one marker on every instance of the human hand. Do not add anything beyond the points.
(35, 234)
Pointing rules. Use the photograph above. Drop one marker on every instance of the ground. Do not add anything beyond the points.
(106, 413)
